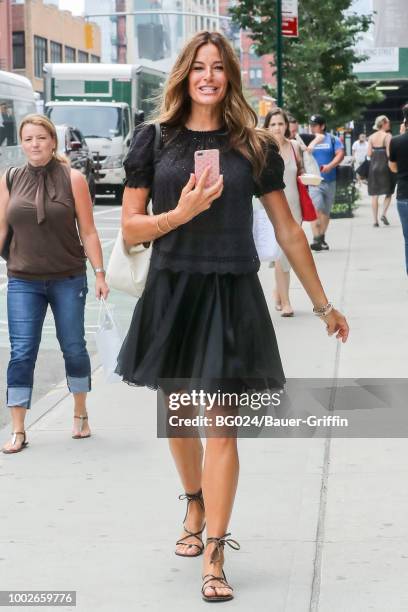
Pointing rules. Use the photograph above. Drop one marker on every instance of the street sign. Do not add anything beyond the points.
(290, 19)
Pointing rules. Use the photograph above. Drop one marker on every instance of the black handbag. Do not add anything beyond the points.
(5, 251)
(363, 169)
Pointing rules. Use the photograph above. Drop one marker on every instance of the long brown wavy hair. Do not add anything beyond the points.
(46, 123)
(238, 117)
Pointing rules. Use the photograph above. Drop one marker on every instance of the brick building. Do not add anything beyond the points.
(42, 33)
(6, 62)
(256, 69)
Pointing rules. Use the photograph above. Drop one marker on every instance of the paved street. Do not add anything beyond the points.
(321, 522)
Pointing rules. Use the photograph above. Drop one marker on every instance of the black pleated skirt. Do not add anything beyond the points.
(213, 330)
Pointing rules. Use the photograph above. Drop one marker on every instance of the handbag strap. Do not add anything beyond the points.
(296, 159)
(107, 311)
(157, 140)
(9, 177)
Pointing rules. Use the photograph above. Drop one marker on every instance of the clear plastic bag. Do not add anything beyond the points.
(109, 342)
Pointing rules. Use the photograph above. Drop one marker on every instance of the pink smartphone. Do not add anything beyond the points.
(204, 158)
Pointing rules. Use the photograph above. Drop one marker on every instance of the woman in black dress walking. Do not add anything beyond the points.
(381, 180)
(203, 315)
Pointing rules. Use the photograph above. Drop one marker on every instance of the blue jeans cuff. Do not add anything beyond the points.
(19, 396)
(79, 385)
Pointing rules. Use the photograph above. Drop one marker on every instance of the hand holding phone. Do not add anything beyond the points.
(207, 158)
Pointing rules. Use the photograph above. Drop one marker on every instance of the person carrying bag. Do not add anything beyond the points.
(128, 267)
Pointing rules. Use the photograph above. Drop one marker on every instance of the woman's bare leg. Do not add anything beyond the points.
(80, 410)
(282, 287)
(18, 414)
(187, 453)
(219, 483)
(374, 206)
(188, 457)
(387, 202)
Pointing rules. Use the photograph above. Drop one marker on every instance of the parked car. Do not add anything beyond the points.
(72, 144)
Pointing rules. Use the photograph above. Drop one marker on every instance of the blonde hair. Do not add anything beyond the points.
(379, 122)
(47, 124)
(238, 116)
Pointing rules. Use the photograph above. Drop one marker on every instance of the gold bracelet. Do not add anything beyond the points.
(323, 311)
(159, 229)
(168, 222)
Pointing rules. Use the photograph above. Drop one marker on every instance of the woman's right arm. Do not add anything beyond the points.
(4, 198)
(370, 148)
(137, 227)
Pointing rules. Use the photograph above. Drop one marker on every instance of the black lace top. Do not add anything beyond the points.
(219, 239)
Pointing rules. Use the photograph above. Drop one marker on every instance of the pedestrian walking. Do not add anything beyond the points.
(277, 122)
(329, 153)
(399, 163)
(203, 315)
(359, 151)
(380, 178)
(45, 204)
(306, 143)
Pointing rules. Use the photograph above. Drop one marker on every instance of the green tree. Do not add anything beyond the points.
(318, 66)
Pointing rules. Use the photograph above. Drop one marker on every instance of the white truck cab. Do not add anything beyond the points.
(104, 101)
(107, 129)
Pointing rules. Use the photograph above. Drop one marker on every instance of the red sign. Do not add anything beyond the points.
(290, 27)
(290, 21)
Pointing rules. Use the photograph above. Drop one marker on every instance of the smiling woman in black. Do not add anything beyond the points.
(202, 322)
(203, 274)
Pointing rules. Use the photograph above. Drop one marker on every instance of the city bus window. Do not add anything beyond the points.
(8, 135)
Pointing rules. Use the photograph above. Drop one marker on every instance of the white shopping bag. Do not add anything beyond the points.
(264, 237)
(108, 342)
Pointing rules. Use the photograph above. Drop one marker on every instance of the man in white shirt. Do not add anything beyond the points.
(359, 151)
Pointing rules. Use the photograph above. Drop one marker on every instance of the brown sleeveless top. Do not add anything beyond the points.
(41, 213)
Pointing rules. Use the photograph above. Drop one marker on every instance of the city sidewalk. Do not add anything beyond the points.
(321, 522)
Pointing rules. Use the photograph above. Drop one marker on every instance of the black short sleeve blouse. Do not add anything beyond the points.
(220, 239)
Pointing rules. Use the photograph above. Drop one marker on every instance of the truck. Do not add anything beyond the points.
(105, 102)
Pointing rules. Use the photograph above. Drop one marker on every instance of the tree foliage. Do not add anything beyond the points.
(318, 66)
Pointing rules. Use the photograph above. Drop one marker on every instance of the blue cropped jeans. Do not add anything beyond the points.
(27, 303)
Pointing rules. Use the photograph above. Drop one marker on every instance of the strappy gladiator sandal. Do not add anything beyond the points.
(78, 436)
(200, 547)
(215, 556)
(14, 440)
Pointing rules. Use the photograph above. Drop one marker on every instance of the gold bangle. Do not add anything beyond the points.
(168, 222)
(323, 311)
(159, 229)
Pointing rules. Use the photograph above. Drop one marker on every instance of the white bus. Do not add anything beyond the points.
(16, 101)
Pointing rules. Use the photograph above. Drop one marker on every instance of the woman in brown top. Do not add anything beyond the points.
(45, 203)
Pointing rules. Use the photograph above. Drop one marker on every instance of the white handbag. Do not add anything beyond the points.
(127, 270)
(264, 237)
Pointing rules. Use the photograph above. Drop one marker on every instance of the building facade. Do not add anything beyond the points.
(256, 72)
(42, 33)
(385, 46)
(6, 49)
(156, 39)
(102, 13)
(256, 69)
